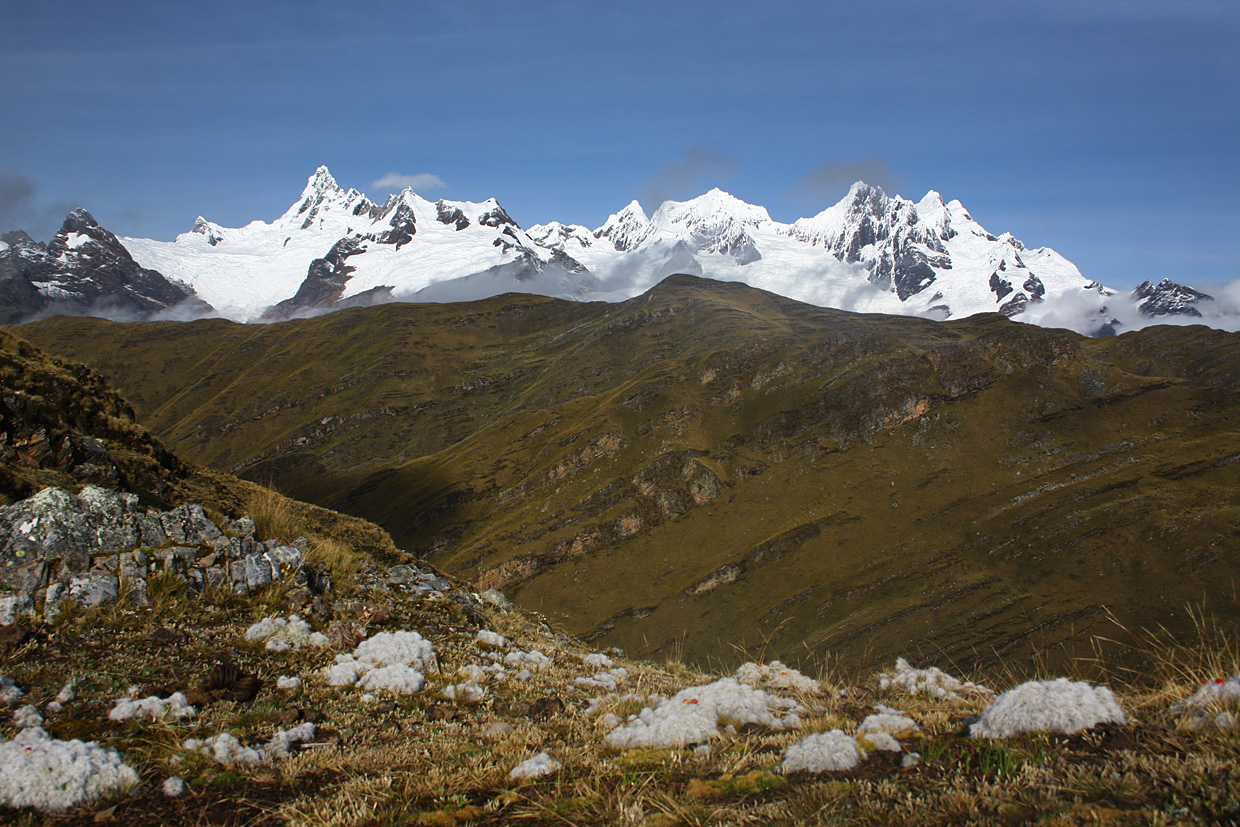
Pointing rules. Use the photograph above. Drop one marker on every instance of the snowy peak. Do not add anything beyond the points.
(568, 238)
(870, 252)
(324, 200)
(712, 209)
(214, 233)
(625, 229)
(81, 238)
(1168, 299)
(716, 222)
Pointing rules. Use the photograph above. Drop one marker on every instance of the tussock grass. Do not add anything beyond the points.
(274, 514)
(400, 761)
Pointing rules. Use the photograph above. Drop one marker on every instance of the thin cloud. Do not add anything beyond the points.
(418, 181)
(684, 178)
(829, 182)
(19, 209)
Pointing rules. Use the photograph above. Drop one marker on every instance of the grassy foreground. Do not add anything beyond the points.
(421, 759)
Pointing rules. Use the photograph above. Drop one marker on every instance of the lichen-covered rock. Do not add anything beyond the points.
(56, 526)
(94, 546)
(14, 606)
(94, 589)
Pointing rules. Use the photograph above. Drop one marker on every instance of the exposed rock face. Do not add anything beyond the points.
(84, 270)
(885, 234)
(403, 227)
(92, 546)
(1168, 299)
(325, 281)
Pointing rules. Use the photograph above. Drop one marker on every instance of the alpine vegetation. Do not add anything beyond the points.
(930, 683)
(489, 638)
(389, 660)
(822, 752)
(699, 713)
(175, 708)
(227, 749)
(1205, 708)
(10, 693)
(25, 717)
(281, 634)
(892, 721)
(1060, 705)
(37, 770)
(777, 675)
(540, 765)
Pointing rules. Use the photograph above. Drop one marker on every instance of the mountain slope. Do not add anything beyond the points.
(62, 424)
(709, 458)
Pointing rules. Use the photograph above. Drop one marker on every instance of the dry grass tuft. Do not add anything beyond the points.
(421, 760)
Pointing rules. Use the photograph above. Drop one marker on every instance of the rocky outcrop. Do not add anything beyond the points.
(325, 281)
(90, 548)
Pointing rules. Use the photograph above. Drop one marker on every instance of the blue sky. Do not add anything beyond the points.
(1107, 130)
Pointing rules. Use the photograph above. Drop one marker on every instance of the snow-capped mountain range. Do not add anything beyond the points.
(870, 252)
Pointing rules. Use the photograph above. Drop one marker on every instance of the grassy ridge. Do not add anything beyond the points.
(62, 424)
(711, 469)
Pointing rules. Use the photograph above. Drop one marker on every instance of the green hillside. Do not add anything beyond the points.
(710, 469)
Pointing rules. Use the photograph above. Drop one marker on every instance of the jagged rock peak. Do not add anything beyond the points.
(865, 197)
(1168, 299)
(213, 232)
(322, 182)
(80, 229)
